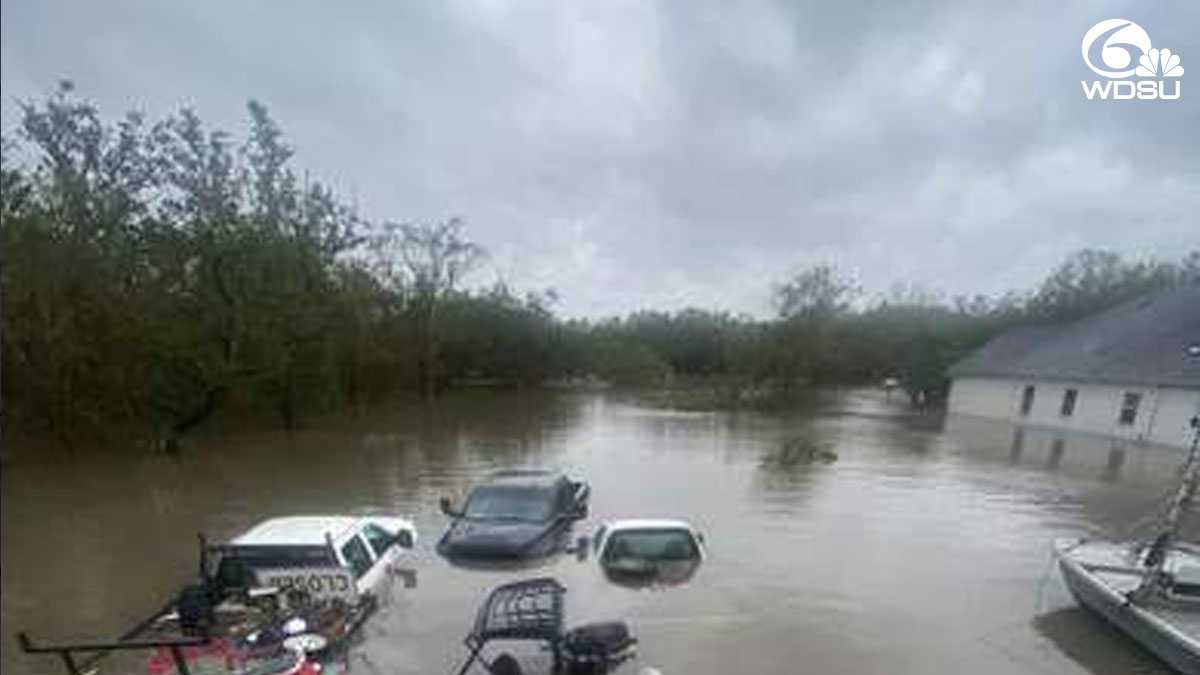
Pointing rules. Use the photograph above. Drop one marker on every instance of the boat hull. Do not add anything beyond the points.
(1179, 650)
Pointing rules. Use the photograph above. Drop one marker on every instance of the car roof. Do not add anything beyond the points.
(647, 524)
(296, 530)
(524, 477)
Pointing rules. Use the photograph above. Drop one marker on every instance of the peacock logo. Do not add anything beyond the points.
(1119, 49)
(1159, 63)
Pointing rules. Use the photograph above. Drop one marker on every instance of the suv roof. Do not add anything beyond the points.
(531, 477)
(296, 530)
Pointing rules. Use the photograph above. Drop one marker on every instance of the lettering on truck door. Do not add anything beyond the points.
(319, 582)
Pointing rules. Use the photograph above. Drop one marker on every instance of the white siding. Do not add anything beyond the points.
(985, 397)
(1171, 417)
(1162, 415)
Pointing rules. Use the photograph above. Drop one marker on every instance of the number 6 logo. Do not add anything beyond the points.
(1113, 47)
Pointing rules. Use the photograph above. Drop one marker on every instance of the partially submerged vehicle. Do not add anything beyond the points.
(280, 598)
(514, 514)
(1148, 589)
(285, 553)
(532, 610)
(642, 552)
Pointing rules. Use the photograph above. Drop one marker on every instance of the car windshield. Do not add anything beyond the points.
(651, 545)
(526, 504)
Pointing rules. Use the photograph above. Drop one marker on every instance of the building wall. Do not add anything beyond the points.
(1162, 415)
(1175, 409)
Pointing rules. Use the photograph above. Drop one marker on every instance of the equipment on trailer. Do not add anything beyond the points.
(533, 610)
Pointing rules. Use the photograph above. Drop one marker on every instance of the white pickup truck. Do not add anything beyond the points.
(325, 556)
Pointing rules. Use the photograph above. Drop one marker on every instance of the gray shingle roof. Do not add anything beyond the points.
(1142, 342)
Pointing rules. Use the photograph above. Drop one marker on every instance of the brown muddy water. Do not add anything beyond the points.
(925, 548)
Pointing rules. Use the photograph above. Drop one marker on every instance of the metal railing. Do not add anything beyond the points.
(67, 652)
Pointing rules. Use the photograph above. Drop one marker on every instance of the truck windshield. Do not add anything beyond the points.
(651, 545)
(526, 504)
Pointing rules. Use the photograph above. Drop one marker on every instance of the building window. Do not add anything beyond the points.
(1129, 408)
(1027, 399)
(1068, 403)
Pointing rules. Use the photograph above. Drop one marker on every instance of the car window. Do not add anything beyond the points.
(379, 538)
(355, 553)
(654, 545)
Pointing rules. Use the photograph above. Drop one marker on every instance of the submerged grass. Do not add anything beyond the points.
(718, 394)
(799, 450)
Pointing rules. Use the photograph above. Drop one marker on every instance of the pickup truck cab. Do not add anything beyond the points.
(324, 556)
(514, 514)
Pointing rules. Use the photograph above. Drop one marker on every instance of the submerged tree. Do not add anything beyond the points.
(435, 258)
(810, 303)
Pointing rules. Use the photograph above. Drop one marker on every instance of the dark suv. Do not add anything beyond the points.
(514, 514)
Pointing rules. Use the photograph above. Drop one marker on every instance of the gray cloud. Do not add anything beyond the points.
(636, 153)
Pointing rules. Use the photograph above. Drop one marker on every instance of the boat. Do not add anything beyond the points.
(1149, 589)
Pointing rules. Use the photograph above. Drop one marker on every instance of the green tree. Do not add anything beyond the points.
(434, 257)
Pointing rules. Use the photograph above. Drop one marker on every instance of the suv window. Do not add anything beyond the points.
(355, 553)
(379, 538)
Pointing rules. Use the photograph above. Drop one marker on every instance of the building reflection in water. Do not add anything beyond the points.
(1088, 457)
(1057, 449)
(1116, 461)
(1018, 445)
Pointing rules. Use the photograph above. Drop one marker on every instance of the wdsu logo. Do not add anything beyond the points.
(1118, 49)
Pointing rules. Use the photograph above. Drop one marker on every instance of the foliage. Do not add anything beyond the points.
(158, 274)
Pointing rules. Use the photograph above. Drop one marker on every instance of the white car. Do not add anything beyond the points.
(326, 556)
(638, 550)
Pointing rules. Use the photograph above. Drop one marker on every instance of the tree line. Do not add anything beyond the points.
(156, 274)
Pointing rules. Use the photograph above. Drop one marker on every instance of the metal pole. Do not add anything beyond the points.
(475, 649)
(69, 662)
(1156, 557)
(180, 662)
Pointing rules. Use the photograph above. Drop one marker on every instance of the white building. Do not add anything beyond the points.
(1131, 372)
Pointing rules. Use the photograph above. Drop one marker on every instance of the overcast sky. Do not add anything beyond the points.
(635, 154)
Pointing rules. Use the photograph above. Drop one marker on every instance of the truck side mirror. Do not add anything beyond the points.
(447, 507)
(407, 576)
(404, 539)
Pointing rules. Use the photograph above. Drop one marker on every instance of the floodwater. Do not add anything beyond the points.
(925, 548)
